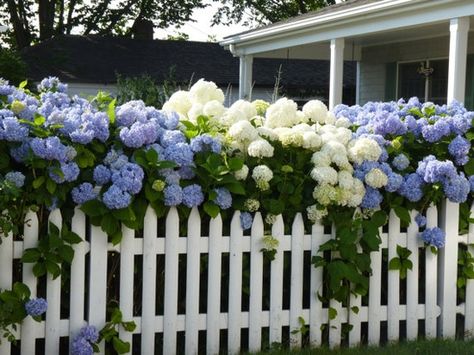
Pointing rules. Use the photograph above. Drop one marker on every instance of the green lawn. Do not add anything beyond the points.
(434, 347)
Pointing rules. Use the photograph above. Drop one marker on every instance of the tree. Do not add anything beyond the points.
(37, 20)
(264, 11)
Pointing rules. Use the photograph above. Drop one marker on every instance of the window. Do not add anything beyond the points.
(428, 80)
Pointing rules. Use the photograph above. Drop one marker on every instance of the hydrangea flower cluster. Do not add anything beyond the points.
(82, 343)
(36, 307)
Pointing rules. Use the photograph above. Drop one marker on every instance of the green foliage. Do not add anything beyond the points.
(146, 88)
(465, 270)
(12, 67)
(52, 251)
(402, 262)
(12, 309)
(110, 332)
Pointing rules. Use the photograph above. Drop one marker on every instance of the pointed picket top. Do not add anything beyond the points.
(235, 226)
(56, 218)
(172, 222)
(194, 220)
(257, 225)
(298, 224)
(432, 216)
(31, 226)
(278, 228)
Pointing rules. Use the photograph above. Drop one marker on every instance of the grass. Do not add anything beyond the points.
(432, 347)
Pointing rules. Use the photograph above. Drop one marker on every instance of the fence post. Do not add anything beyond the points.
(6, 275)
(413, 242)
(316, 286)
(276, 284)
(469, 313)
(296, 283)
(447, 269)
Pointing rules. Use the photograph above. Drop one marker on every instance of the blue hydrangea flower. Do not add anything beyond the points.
(80, 346)
(434, 236)
(16, 178)
(246, 220)
(139, 134)
(172, 177)
(52, 83)
(20, 153)
(49, 148)
(459, 149)
(173, 195)
(180, 153)
(433, 133)
(186, 173)
(223, 198)
(372, 198)
(457, 188)
(12, 130)
(129, 178)
(420, 220)
(129, 113)
(36, 307)
(412, 187)
(395, 181)
(68, 173)
(90, 333)
(471, 182)
(114, 198)
(83, 193)
(193, 195)
(205, 143)
(102, 174)
(172, 138)
(433, 170)
(401, 162)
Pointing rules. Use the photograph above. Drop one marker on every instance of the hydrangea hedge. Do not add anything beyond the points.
(348, 167)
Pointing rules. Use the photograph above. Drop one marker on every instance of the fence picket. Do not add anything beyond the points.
(192, 282)
(296, 283)
(276, 284)
(149, 282)
(214, 286)
(53, 292)
(431, 278)
(412, 279)
(335, 323)
(235, 284)
(469, 310)
(375, 281)
(6, 277)
(171, 282)
(30, 240)
(127, 263)
(393, 291)
(256, 282)
(316, 286)
(98, 279)
(77, 288)
(447, 262)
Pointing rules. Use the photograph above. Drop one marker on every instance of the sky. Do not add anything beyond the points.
(201, 29)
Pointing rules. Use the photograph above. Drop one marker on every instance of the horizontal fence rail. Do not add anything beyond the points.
(193, 293)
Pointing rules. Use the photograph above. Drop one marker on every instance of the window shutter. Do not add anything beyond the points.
(469, 101)
(391, 81)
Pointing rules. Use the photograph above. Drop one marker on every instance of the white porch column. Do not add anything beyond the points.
(458, 28)
(357, 96)
(245, 77)
(336, 72)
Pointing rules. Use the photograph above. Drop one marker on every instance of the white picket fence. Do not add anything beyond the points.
(438, 311)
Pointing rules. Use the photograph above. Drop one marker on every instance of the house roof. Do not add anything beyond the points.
(93, 59)
(363, 22)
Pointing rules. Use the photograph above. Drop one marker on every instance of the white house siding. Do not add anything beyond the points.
(375, 58)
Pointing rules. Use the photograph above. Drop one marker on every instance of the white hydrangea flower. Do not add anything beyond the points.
(282, 114)
(301, 117)
(345, 179)
(204, 91)
(343, 122)
(251, 205)
(195, 112)
(330, 118)
(247, 109)
(260, 148)
(179, 102)
(270, 218)
(262, 173)
(243, 131)
(324, 194)
(242, 173)
(267, 133)
(302, 127)
(311, 140)
(315, 111)
(288, 137)
(315, 214)
(324, 175)
(376, 178)
(232, 116)
(364, 149)
(261, 106)
(333, 148)
(214, 109)
(343, 135)
(321, 159)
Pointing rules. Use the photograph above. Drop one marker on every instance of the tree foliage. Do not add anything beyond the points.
(32, 21)
(264, 11)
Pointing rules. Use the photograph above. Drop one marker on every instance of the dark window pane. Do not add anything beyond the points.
(438, 81)
(410, 82)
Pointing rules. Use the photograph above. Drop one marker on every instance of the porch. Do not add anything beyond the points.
(403, 48)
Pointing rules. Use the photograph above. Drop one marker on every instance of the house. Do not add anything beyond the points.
(91, 63)
(403, 48)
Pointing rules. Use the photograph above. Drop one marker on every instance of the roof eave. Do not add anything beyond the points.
(339, 18)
